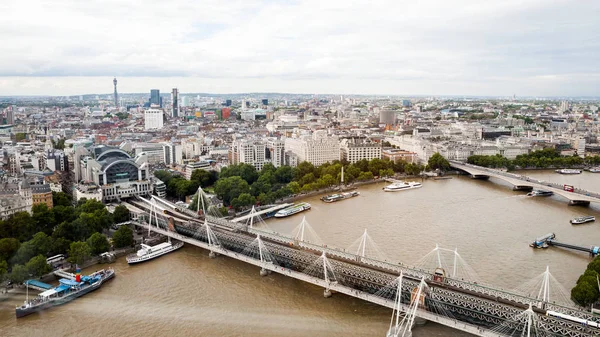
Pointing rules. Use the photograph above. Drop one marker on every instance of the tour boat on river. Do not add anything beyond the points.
(151, 252)
(402, 186)
(66, 291)
(297, 208)
(582, 219)
(540, 193)
(568, 171)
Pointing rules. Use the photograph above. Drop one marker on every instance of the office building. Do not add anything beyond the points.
(198, 165)
(276, 152)
(155, 98)
(387, 117)
(316, 149)
(265, 101)
(356, 149)
(226, 113)
(175, 103)
(172, 154)
(251, 152)
(405, 103)
(153, 119)
(227, 102)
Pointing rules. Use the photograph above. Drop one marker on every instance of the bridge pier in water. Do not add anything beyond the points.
(480, 176)
(523, 188)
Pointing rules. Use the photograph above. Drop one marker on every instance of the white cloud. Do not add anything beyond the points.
(388, 47)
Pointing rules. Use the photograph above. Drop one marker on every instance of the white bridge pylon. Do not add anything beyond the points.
(403, 328)
(524, 324)
(255, 220)
(546, 289)
(450, 261)
(305, 233)
(259, 251)
(366, 247)
(323, 269)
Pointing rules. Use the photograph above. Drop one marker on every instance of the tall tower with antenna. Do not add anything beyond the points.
(116, 95)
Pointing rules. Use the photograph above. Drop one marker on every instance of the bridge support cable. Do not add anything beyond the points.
(255, 220)
(524, 324)
(366, 247)
(546, 289)
(305, 233)
(323, 269)
(258, 251)
(450, 261)
(395, 321)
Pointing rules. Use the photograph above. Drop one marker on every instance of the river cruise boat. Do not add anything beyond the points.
(296, 208)
(595, 170)
(66, 291)
(150, 252)
(540, 193)
(568, 171)
(402, 186)
(582, 219)
(339, 196)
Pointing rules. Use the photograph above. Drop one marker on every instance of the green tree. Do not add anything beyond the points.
(123, 237)
(43, 218)
(246, 172)
(204, 178)
(60, 246)
(243, 200)
(294, 187)
(98, 244)
(20, 136)
(438, 162)
(42, 243)
(585, 293)
(18, 274)
(230, 188)
(284, 174)
(121, 214)
(368, 175)
(26, 251)
(8, 248)
(79, 252)
(3, 270)
(38, 266)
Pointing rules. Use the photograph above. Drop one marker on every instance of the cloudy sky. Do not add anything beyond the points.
(431, 47)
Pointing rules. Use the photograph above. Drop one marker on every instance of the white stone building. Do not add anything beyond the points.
(153, 119)
(355, 149)
(317, 149)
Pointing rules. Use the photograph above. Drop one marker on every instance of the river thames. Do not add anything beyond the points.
(188, 294)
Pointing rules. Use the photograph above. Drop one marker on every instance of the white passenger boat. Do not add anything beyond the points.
(151, 252)
(582, 219)
(402, 186)
(297, 208)
(568, 171)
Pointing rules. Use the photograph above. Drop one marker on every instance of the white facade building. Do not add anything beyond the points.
(251, 152)
(153, 119)
(317, 150)
(276, 151)
(355, 149)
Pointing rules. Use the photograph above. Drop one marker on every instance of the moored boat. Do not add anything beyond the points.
(540, 193)
(296, 208)
(150, 252)
(568, 171)
(339, 196)
(66, 291)
(595, 170)
(402, 186)
(582, 219)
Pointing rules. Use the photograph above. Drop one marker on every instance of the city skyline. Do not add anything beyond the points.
(527, 48)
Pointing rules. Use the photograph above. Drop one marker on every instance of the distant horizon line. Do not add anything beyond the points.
(315, 94)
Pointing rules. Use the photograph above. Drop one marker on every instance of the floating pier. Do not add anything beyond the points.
(549, 240)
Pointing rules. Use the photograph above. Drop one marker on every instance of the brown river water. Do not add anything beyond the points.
(187, 294)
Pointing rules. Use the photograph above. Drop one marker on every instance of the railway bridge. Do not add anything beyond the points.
(431, 295)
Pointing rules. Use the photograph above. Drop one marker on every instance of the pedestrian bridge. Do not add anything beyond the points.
(521, 182)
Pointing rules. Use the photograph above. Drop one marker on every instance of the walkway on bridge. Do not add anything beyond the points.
(577, 195)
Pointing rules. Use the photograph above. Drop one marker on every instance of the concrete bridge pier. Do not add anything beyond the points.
(523, 188)
(264, 272)
(480, 176)
(420, 321)
(579, 203)
(327, 293)
(212, 254)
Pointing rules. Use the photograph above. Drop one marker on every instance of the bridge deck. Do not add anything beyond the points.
(521, 180)
(466, 327)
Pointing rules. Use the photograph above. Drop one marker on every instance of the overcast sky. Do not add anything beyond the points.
(431, 47)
